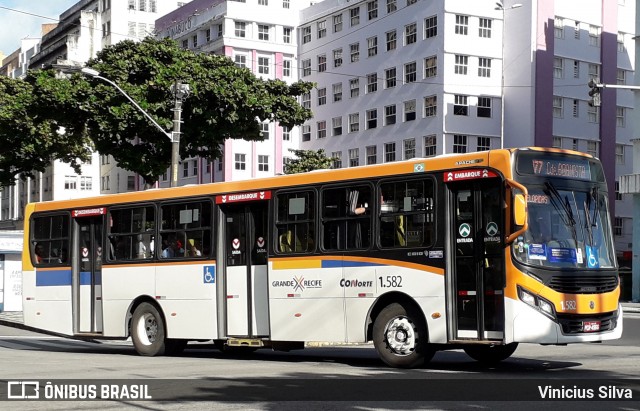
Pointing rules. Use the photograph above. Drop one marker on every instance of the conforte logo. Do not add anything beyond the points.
(355, 283)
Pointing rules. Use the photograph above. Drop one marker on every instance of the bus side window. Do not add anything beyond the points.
(295, 221)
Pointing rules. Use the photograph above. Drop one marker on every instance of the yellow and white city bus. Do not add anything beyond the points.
(478, 251)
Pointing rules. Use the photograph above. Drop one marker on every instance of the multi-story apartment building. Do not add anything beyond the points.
(260, 35)
(398, 79)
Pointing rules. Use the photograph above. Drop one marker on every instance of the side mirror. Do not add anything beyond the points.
(519, 210)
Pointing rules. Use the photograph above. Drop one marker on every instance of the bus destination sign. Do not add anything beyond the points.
(561, 168)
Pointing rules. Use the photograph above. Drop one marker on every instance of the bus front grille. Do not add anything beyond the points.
(583, 284)
(575, 324)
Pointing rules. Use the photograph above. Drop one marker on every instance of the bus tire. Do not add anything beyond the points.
(490, 354)
(148, 331)
(400, 337)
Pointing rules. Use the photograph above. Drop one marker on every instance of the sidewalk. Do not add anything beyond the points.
(14, 318)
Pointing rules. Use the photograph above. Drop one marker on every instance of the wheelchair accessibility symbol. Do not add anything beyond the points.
(592, 258)
(209, 274)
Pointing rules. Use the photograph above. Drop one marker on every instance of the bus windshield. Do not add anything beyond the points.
(567, 228)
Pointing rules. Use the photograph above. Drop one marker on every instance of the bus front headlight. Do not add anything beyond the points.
(542, 305)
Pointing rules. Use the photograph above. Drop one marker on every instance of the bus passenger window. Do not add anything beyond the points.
(295, 221)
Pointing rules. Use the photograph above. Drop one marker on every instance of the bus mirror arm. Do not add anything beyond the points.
(519, 210)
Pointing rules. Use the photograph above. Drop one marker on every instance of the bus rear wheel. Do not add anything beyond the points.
(400, 337)
(148, 331)
(490, 354)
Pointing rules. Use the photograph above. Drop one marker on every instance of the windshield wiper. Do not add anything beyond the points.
(556, 200)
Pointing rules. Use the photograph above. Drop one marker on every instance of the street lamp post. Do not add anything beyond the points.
(500, 6)
(180, 92)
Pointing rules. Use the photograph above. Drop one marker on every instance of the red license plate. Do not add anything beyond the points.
(591, 326)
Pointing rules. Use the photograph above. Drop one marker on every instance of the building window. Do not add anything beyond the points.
(286, 4)
(240, 60)
(337, 23)
(391, 40)
(286, 35)
(576, 108)
(410, 74)
(461, 65)
(460, 106)
(70, 182)
(389, 152)
(337, 92)
(263, 65)
(594, 36)
(617, 191)
(593, 114)
(306, 34)
(430, 106)
(372, 9)
(576, 69)
(337, 57)
(621, 77)
(462, 24)
(390, 115)
(306, 100)
(372, 83)
(354, 87)
(409, 110)
(430, 145)
(306, 133)
(264, 131)
(354, 52)
(322, 96)
(306, 67)
(620, 42)
(263, 32)
(484, 107)
(391, 6)
(336, 158)
(372, 155)
(390, 77)
(558, 67)
(372, 118)
(558, 28)
(372, 46)
(620, 116)
(484, 143)
(459, 143)
(241, 29)
(322, 29)
(185, 173)
(336, 124)
(618, 226)
(430, 27)
(263, 2)
(354, 157)
(241, 162)
(592, 148)
(322, 129)
(575, 145)
(263, 163)
(322, 63)
(207, 35)
(558, 107)
(86, 183)
(594, 72)
(410, 34)
(286, 68)
(485, 28)
(430, 67)
(354, 14)
(619, 154)
(556, 142)
(286, 133)
(484, 67)
(409, 148)
(354, 122)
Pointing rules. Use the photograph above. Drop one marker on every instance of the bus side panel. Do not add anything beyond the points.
(188, 300)
(47, 300)
(306, 301)
(120, 286)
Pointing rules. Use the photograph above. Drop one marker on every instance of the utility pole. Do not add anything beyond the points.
(180, 92)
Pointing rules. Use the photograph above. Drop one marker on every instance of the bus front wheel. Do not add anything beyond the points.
(147, 331)
(490, 354)
(400, 337)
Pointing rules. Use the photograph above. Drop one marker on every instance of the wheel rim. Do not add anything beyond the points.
(148, 329)
(400, 336)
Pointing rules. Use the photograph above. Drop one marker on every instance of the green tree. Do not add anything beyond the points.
(225, 101)
(307, 160)
(35, 127)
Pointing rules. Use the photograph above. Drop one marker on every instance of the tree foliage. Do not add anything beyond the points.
(307, 160)
(225, 102)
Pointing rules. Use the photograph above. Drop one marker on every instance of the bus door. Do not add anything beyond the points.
(245, 268)
(477, 279)
(87, 272)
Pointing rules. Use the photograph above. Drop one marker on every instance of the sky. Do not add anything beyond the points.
(24, 18)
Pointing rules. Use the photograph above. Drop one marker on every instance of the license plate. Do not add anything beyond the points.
(590, 326)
